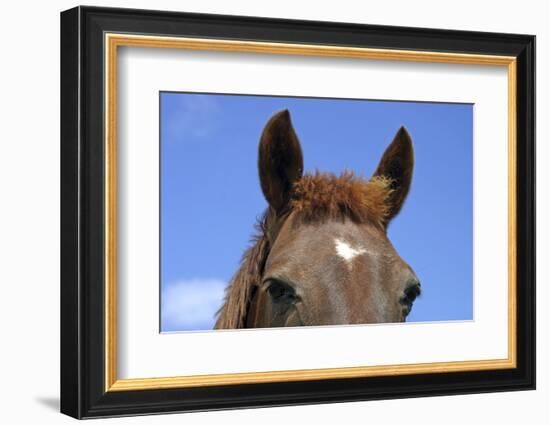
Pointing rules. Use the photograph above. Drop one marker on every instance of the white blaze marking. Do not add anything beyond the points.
(346, 251)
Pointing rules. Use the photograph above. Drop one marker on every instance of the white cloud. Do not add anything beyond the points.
(191, 304)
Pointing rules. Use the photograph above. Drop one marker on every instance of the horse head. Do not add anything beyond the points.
(322, 256)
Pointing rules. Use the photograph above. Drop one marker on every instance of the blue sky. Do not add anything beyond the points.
(211, 198)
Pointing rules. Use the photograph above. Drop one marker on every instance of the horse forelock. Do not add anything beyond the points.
(321, 196)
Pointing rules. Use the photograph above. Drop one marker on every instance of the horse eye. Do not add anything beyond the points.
(276, 290)
(411, 293)
(280, 291)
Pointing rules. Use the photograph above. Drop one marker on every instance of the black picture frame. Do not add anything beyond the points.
(83, 392)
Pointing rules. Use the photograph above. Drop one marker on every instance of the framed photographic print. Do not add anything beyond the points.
(261, 212)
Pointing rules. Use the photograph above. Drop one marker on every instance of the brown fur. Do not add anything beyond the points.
(324, 196)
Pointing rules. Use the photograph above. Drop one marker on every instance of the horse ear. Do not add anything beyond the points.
(397, 165)
(280, 161)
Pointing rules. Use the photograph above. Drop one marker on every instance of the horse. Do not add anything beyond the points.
(321, 255)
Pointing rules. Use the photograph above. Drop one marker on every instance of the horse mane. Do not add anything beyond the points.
(232, 314)
(315, 197)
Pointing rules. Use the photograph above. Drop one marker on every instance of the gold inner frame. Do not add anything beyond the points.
(113, 41)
